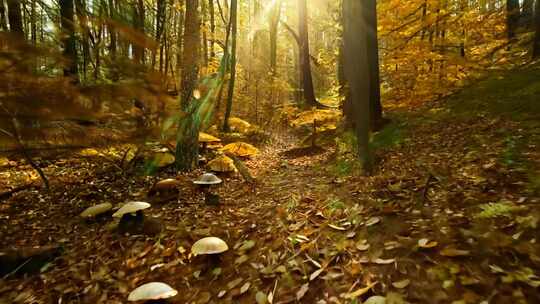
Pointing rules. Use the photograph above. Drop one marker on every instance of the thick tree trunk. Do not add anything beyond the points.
(536, 46)
(230, 94)
(356, 67)
(373, 60)
(305, 64)
(512, 18)
(68, 39)
(15, 18)
(527, 13)
(187, 138)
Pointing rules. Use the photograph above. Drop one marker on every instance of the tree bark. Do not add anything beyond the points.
(68, 39)
(370, 12)
(187, 137)
(3, 17)
(305, 64)
(356, 67)
(536, 46)
(274, 23)
(15, 18)
(211, 11)
(512, 18)
(230, 94)
(527, 13)
(138, 24)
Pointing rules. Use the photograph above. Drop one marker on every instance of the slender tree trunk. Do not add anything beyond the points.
(536, 46)
(3, 17)
(68, 39)
(305, 64)
(187, 138)
(356, 67)
(80, 7)
(204, 41)
(211, 11)
(274, 23)
(230, 94)
(113, 43)
(138, 24)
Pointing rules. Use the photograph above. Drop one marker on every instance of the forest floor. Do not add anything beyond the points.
(451, 216)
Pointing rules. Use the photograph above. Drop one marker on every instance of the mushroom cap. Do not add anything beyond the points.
(239, 125)
(222, 163)
(208, 179)
(96, 210)
(167, 184)
(163, 159)
(209, 245)
(240, 149)
(131, 207)
(152, 291)
(207, 138)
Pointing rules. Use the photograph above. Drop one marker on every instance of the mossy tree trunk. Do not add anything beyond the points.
(230, 94)
(187, 136)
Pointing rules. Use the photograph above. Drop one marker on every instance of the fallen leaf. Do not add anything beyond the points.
(359, 292)
(337, 227)
(233, 284)
(375, 300)
(245, 288)
(401, 284)
(384, 261)
(260, 297)
(302, 291)
(452, 252)
(426, 243)
(315, 274)
(372, 221)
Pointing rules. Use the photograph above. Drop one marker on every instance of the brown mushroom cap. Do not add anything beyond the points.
(208, 179)
(209, 245)
(152, 291)
(167, 184)
(96, 210)
(131, 207)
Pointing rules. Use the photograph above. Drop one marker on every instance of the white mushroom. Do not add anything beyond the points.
(131, 207)
(96, 210)
(209, 245)
(152, 291)
(208, 179)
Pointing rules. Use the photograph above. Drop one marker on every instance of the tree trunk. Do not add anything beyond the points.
(15, 18)
(230, 93)
(370, 13)
(138, 24)
(211, 11)
(536, 46)
(187, 137)
(527, 13)
(512, 18)
(68, 39)
(113, 42)
(305, 64)
(3, 17)
(80, 7)
(274, 23)
(356, 68)
(204, 41)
